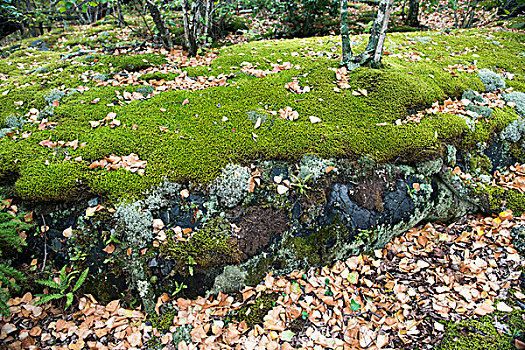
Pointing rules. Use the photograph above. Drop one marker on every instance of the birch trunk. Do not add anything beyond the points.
(347, 47)
(374, 49)
(378, 34)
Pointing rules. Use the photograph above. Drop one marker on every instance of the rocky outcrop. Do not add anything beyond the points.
(277, 216)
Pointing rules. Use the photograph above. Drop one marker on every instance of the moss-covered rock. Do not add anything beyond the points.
(213, 245)
(199, 141)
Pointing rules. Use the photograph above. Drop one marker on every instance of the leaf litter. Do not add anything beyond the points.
(395, 297)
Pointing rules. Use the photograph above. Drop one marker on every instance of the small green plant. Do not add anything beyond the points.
(301, 184)
(411, 191)
(191, 262)
(78, 255)
(10, 241)
(112, 239)
(62, 287)
(178, 288)
(364, 236)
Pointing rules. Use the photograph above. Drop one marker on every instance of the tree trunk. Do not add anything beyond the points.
(378, 34)
(347, 47)
(374, 49)
(189, 37)
(464, 21)
(121, 22)
(413, 13)
(164, 34)
(456, 23)
(471, 16)
(208, 19)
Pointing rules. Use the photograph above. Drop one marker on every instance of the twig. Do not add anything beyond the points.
(374, 340)
(45, 245)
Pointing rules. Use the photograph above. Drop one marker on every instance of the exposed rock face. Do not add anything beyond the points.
(350, 207)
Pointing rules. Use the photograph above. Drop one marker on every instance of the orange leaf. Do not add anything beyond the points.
(110, 248)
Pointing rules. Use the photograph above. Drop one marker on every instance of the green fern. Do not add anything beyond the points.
(63, 288)
(49, 283)
(10, 243)
(45, 298)
(81, 280)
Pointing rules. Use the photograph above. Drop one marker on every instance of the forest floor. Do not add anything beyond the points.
(111, 120)
(454, 286)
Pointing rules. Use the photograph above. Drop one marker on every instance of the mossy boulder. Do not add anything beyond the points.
(199, 141)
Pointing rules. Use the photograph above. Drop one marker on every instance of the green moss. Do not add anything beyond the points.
(313, 248)
(210, 246)
(481, 164)
(516, 202)
(481, 334)
(254, 314)
(199, 144)
(133, 63)
(494, 196)
(62, 181)
(499, 198)
(163, 322)
(256, 274)
(474, 335)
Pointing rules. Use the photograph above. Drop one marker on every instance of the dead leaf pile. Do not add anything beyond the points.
(94, 326)
(442, 16)
(409, 56)
(110, 120)
(130, 163)
(453, 69)
(250, 69)
(393, 298)
(341, 77)
(183, 82)
(51, 145)
(288, 113)
(294, 86)
(491, 100)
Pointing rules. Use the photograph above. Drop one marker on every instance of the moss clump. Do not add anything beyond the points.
(200, 142)
(256, 273)
(516, 202)
(474, 335)
(163, 322)
(314, 247)
(133, 63)
(497, 198)
(493, 195)
(58, 180)
(482, 334)
(480, 164)
(213, 245)
(254, 314)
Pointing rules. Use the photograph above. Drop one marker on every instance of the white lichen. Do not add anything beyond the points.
(231, 187)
